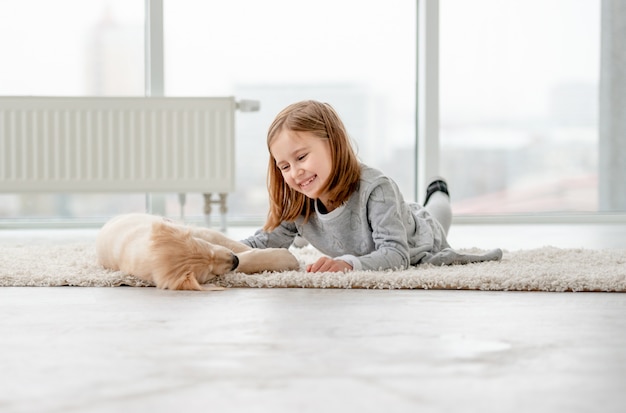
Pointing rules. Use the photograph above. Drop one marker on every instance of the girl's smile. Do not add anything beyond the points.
(306, 183)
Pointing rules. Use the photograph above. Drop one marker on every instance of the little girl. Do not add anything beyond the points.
(354, 214)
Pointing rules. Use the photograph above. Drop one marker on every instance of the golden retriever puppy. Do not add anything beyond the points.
(179, 257)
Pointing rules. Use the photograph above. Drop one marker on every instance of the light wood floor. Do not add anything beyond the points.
(125, 349)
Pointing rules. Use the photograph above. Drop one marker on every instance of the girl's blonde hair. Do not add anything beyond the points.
(286, 204)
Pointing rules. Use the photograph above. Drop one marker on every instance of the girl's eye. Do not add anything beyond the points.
(284, 167)
(301, 157)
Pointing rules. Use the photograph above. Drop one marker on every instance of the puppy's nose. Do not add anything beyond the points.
(235, 262)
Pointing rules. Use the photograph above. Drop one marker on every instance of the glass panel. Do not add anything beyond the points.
(357, 55)
(71, 48)
(519, 104)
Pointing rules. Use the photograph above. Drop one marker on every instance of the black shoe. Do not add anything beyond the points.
(438, 185)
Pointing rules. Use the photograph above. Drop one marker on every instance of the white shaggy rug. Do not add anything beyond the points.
(543, 269)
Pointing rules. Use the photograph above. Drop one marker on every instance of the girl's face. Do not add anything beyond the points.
(305, 161)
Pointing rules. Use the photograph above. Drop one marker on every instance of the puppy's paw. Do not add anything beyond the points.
(285, 259)
(268, 259)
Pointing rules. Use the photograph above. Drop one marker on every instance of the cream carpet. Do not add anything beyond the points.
(544, 269)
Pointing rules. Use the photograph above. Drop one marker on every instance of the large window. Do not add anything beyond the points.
(519, 104)
(518, 85)
(357, 55)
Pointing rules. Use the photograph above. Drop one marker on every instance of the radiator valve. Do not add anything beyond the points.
(246, 105)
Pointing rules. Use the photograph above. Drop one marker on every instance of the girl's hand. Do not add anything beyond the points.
(328, 264)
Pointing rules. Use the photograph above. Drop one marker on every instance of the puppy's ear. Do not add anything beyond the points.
(187, 281)
(164, 233)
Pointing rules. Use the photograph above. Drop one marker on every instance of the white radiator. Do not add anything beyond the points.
(127, 144)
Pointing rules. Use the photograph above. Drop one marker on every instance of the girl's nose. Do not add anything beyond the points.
(296, 172)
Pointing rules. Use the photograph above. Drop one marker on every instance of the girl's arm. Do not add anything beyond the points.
(281, 237)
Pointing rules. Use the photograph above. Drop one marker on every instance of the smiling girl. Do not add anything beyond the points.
(349, 211)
